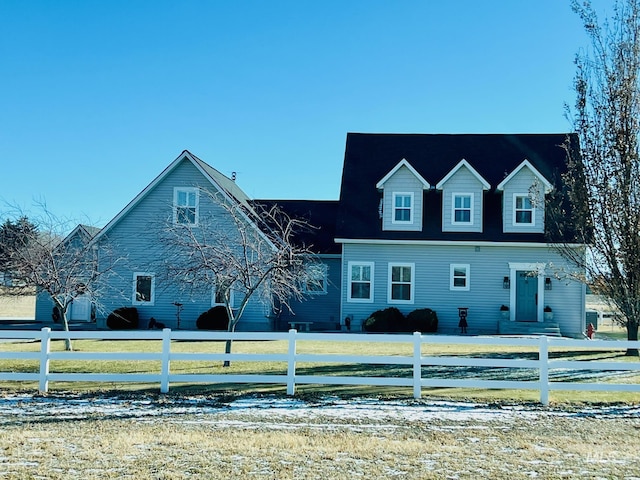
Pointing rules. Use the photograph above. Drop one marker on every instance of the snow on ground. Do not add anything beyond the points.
(356, 410)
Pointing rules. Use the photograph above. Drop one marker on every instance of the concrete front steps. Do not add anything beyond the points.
(550, 329)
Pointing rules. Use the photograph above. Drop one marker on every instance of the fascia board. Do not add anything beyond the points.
(474, 172)
(362, 241)
(403, 163)
(547, 185)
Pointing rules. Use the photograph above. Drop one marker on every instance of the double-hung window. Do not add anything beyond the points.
(143, 288)
(401, 279)
(462, 208)
(185, 205)
(360, 282)
(523, 210)
(459, 279)
(402, 208)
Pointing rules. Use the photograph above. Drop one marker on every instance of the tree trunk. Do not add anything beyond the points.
(65, 327)
(227, 347)
(632, 335)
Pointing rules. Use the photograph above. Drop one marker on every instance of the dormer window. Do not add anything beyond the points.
(462, 197)
(402, 208)
(402, 198)
(462, 208)
(523, 199)
(523, 210)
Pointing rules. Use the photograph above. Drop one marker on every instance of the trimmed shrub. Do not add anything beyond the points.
(388, 320)
(423, 320)
(215, 318)
(124, 318)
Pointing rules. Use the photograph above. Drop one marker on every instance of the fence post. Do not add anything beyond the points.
(417, 365)
(543, 358)
(165, 362)
(291, 364)
(45, 349)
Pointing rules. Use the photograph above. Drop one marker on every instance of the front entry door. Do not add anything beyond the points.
(526, 296)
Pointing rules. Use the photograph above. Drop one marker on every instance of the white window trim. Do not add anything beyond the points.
(467, 268)
(533, 211)
(371, 291)
(413, 284)
(325, 270)
(213, 298)
(195, 190)
(134, 300)
(453, 208)
(393, 208)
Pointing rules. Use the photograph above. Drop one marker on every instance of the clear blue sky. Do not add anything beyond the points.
(97, 97)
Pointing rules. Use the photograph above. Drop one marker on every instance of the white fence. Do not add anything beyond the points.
(427, 371)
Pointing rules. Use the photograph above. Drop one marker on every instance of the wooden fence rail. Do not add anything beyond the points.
(422, 366)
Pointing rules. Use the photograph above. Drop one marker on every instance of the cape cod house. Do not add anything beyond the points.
(455, 221)
(423, 221)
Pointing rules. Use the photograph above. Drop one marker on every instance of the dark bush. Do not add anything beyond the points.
(388, 320)
(215, 318)
(124, 318)
(422, 320)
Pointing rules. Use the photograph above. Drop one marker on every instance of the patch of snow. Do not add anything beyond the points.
(365, 410)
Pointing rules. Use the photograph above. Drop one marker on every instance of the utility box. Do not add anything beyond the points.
(592, 317)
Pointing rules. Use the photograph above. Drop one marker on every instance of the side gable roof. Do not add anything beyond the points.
(403, 163)
(526, 164)
(370, 156)
(220, 182)
(474, 172)
(86, 231)
(83, 232)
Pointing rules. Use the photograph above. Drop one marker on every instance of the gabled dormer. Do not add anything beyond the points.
(462, 198)
(523, 199)
(402, 198)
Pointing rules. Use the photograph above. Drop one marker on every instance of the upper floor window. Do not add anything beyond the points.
(360, 282)
(143, 289)
(401, 283)
(462, 208)
(185, 205)
(402, 208)
(523, 210)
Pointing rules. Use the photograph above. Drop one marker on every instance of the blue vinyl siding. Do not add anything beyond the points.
(463, 181)
(321, 309)
(488, 266)
(520, 184)
(402, 181)
(136, 237)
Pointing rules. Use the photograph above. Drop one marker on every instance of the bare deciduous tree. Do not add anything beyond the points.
(64, 268)
(604, 176)
(249, 250)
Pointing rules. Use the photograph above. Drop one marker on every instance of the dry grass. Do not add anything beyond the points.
(276, 446)
(13, 306)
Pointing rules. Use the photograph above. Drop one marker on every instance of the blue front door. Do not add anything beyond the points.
(526, 296)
